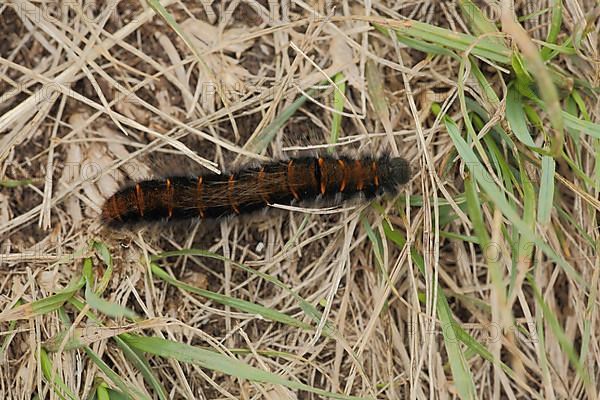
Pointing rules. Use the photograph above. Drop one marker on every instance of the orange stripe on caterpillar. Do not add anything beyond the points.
(232, 200)
(199, 203)
(139, 199)
(169, 198)
(344, 175)
(249, 189)
(291, 181)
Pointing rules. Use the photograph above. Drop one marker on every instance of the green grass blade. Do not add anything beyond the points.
(554, 30)
(539, 72)
(498, 198)
(477, 20)
(453, 331)
(43, 306)
(260, 142)
(59, 386)
(546, 197)
(338, 106)
(564, 341)
(242, 305)
(458, 363)
(377, 94)
(308, 308)
(132, 392)
(463, 379)
(517, 120)
(139, 362)
(104, 254)
(13, 183)
(588, 128)
(98, 303)
(102, 392)
(218, 362)
(487, 47)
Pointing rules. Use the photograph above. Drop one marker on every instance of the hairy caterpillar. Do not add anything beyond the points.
(252, 188)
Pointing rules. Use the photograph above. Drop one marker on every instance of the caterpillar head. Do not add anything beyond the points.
(396, 171)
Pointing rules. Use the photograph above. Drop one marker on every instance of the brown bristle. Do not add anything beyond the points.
(249, 189)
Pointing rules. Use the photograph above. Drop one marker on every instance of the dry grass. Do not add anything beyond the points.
(479, 280)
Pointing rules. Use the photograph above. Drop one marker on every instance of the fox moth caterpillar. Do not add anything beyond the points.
(254, 187)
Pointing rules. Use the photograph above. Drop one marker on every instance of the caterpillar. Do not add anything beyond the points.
(211, 196)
